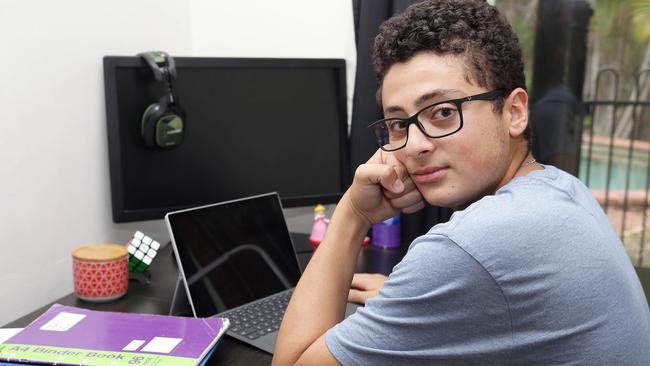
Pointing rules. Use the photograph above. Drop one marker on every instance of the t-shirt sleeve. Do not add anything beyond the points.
(439, 306)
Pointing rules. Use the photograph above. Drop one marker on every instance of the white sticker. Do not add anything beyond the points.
(134, 345)
(161, 344)
(6, 333)
(63, 321)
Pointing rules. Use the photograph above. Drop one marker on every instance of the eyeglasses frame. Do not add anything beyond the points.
(491, 95)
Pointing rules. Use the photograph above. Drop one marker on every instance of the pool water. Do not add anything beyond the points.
(618, 174)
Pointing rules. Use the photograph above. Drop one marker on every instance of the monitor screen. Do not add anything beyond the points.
(251, 126)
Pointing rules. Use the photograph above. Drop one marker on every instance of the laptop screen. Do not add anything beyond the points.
(234, 252)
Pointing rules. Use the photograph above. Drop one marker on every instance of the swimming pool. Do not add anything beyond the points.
(618, 174)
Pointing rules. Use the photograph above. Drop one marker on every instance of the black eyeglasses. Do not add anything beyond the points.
(436, 120)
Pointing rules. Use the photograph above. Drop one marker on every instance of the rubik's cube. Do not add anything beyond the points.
(142, 250)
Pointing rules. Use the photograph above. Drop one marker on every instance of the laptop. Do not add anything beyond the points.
(237, 260)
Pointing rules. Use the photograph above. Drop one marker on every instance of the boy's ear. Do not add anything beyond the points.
(516, 112)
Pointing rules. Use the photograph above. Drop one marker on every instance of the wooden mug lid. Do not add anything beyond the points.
(100, 252)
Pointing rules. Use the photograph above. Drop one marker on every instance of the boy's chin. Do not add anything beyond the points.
(440, 198)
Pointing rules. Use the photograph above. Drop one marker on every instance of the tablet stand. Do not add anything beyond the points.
(180, 305)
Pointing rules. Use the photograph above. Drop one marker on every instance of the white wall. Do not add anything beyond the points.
(54, 189)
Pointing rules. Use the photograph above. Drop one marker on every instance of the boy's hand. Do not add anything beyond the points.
(381, 189)
(365, 286)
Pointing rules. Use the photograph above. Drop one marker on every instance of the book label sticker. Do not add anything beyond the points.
(133, 345)
(162, 344)
(63, 321)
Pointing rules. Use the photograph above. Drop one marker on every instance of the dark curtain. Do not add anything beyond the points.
(368, 15)
(556, 105)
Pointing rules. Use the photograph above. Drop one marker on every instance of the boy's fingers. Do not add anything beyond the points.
(355, 296)
(360, 297)
(407, 200)
(360, 281)
(384, 175)
(414, 208)
(408, 186)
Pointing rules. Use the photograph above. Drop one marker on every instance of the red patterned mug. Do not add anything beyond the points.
(100, 272)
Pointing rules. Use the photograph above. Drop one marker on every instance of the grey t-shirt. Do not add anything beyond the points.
(533, 275)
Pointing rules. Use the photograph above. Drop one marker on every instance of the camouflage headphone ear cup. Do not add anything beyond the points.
(150, 119)
(169, 130)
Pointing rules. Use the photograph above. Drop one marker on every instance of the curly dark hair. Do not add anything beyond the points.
(471, 29)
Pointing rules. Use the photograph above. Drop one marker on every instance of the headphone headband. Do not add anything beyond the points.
(162, 65)
(164, 69)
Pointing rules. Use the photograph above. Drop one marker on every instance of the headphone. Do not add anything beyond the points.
(163, 122)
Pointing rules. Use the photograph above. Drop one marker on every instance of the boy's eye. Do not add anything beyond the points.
(396, 125)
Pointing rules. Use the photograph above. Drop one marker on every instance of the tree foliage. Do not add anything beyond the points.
(619, 38)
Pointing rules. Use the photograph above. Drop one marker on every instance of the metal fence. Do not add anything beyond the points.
(615, 163)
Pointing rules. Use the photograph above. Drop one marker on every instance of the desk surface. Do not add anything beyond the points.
(156, 297)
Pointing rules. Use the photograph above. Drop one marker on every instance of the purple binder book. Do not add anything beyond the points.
(67, 335)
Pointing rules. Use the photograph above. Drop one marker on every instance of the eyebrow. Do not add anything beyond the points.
(422, 99)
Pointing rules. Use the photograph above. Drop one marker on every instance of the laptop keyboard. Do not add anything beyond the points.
(259, 318)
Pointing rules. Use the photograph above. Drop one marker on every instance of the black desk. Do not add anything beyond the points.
(156, 297)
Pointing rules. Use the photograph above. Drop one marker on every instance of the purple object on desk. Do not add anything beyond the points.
(386, 234)
(102, 331)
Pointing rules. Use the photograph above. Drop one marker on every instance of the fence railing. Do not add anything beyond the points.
(617, 168)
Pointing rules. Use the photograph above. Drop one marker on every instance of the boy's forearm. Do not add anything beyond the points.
(319, 300)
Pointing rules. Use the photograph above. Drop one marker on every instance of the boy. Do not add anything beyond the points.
(528, 271)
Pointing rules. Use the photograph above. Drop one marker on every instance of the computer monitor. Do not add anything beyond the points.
(251, 126)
